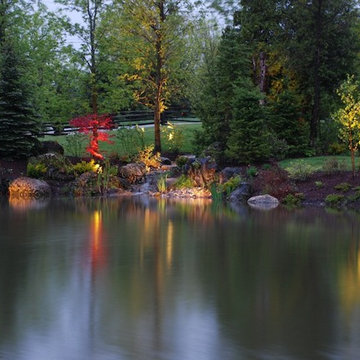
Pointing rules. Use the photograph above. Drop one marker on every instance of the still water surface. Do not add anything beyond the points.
(154, 280)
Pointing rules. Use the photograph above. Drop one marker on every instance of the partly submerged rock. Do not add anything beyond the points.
(133, 172)
(263, 202)
(241, 194)
(28, 188)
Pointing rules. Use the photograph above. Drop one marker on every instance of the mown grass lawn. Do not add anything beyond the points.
(187, 147)
(317, 162)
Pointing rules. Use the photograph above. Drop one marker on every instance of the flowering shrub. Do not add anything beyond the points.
(91, 124)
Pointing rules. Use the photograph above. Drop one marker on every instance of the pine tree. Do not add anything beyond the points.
(18, 124)
(249, 137)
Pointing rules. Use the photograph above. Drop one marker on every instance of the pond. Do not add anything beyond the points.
(153, 279)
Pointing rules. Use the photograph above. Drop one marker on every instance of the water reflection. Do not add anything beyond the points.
(147, 279)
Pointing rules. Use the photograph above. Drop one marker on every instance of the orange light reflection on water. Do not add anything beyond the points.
(97, 239)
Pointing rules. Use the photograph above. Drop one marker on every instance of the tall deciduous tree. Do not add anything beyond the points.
(348, 116)
(153, 32)
(90, 11)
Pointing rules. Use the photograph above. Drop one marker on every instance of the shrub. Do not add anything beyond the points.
(334, 200)
(274, 182)
(84, 166)
(130, 140)
(300, 170)
(75, 144)
(343, 187)
(36, 170)
(216, 194)
(354, 197)
(147, 157)
(252, 171)
(181, 161)
(278, 147)
(336, 148)
(161, 183)
(319, 184)
(292, 200)
(229, 186)
(183, 182)
(333, 165)
(174, 137)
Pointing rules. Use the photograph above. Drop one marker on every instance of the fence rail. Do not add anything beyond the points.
(127, 118)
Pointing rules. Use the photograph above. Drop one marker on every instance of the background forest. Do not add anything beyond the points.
(262, 75)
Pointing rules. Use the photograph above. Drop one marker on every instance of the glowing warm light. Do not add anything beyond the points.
(169, 243)
(96, 238)
(349, 282)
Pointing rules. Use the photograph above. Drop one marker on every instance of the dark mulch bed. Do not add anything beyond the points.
(11, 169)
(315, 193)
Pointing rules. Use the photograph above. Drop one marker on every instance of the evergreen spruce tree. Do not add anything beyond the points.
(288, 124)
(214, 105)
(18, 124)
(249, 137)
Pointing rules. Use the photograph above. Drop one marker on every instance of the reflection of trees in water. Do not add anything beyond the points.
(268, 278)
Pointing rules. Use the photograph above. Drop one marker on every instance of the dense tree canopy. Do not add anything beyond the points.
(289, 55)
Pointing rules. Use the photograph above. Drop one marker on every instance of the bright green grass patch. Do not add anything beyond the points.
(187, 147)
(317, 162)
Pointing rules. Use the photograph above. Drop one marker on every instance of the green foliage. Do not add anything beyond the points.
(215, 99)
(229, 186)
(300, 170)
(319, 184)
(288, 125)
(19, 127)
(333, 165)
(75, 144)
(334, 200)
(107, 177)
(252, 171)
(36, 170)
(343, 187)
(183, 182)
(161, 183)
(174, 137)
(336, 149)
(216, 194)
(148, 157)
(130, 140)
(86, 166)
(292, 200)
(348, 116)
(181, 161)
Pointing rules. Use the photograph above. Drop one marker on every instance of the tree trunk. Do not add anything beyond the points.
(92, 17)
(315, 119)
(157, 118)
(158, 108)
(262, 75)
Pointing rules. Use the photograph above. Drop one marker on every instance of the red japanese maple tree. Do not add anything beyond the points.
(91, 124)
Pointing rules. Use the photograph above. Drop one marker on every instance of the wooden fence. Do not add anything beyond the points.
(128, 118)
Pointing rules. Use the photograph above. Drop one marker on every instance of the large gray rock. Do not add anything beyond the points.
(51, 147)
(28, 188)
(229, 172)
(263, 202)
(133, 172)
(240, 194)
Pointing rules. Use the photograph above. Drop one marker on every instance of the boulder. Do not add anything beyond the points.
(28, 188)
(133, 172)
(240, 194)
(229, 172)
(263, 202)
(202, 171)
(51, 147)
(165, 161)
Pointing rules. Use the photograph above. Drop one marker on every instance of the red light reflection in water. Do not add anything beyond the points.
(97, 236)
